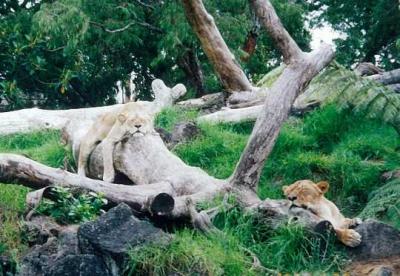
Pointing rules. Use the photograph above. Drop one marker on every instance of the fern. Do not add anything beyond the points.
(338, 85)
(384, 204)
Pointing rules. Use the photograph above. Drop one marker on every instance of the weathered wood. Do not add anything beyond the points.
(264, 10)
(227, 68)
(228, 115)
(204, 102)
(386, 78)
(34, 119)
(367, 69)
(301, 69)
(395, 87)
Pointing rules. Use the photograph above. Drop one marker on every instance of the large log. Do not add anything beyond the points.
(34, 119)
(389, 77)
(227, 68)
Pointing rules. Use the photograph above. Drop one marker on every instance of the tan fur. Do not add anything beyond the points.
(132, 119)
(308, 195)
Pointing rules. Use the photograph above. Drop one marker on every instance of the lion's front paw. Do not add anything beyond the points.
(350, 237)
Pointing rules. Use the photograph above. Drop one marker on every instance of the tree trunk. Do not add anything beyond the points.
(192, 68)
(264, 10)
(300, 71)
(390, 77)
(228, 70)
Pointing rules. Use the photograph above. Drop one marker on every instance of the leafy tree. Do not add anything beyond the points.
(71, 53)
(372, 27)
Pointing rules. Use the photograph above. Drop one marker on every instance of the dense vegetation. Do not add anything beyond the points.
(72, 53)
(328, 144)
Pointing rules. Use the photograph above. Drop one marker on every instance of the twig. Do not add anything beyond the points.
(142, 24)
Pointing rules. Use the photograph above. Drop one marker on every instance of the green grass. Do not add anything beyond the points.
(287, 249)
(349, 151)
(43, 147)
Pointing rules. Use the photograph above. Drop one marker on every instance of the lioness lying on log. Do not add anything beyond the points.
(132, 119)
(310, 196)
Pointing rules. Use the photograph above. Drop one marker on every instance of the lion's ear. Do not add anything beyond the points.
(122, 117)
(284, 188)
(323, 186)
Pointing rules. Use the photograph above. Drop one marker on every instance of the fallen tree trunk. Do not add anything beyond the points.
(386, 78)
(227, 68)
(34, 119)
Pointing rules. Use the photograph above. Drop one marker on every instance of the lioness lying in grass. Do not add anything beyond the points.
(308, 195)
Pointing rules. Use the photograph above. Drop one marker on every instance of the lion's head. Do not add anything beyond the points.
(306, 194)
(139, 121)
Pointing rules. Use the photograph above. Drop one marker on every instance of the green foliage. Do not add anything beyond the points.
(69, 208)
(289, 248)
(333, 144)
(384, 204)
(342, 87)
(43, 147)
(69, 53)
(371, 28)
(191, 253)
(168, 117)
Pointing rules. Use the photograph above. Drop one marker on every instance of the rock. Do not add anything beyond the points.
(379, 241)
(82, 265)
(115, 232)
(39, 229)
(390, 175)
(39, 258)
(381, 267)
(7, 266)
(184, 131)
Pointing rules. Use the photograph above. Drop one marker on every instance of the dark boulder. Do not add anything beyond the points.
(82, 265)
(114, 233)
(379, 240)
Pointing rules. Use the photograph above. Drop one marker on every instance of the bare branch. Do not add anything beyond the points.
(228, 70)
(285, 43)
(143, 24)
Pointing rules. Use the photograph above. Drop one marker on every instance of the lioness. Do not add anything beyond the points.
(308, 195)
(132, 119)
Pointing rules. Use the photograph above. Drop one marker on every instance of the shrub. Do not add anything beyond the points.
(69, 208)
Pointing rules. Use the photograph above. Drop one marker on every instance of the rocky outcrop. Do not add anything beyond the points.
(379, 251)
(114, 233)
(98, 247)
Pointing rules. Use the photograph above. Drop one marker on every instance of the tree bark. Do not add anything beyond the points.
(228, 70)
(390, 77)
(300, 70)
(192, 68)
(264, 10)
(34, 119)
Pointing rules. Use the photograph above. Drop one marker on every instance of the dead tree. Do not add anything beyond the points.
(228, 70)
(161, 178)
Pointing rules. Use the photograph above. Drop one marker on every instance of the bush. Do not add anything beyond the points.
(384, 204)
(68, 208)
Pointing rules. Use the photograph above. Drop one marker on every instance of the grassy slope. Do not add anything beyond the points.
(349, 151)
(42, 146)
